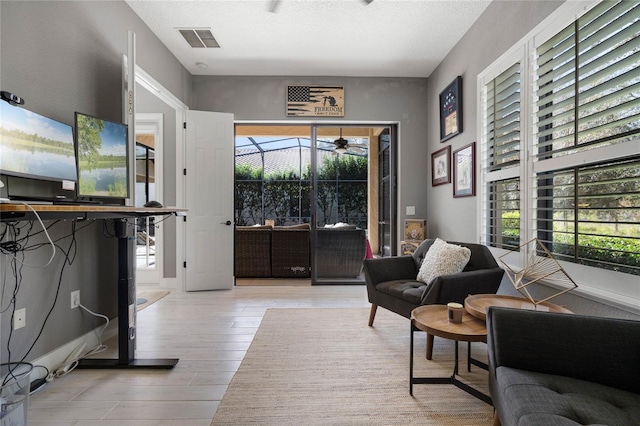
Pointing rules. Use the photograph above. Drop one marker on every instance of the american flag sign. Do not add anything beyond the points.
(315, 101)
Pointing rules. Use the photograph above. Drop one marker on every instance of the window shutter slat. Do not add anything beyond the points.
(607, 81)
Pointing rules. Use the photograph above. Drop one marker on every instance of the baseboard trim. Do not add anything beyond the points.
(56, 357)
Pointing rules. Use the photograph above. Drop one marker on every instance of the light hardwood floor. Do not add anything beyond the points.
(209, 331)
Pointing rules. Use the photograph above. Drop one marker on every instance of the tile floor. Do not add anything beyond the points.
(209, 331)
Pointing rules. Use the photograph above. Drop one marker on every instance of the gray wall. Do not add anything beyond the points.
(456, 218)
(401, 100)
(61, 57)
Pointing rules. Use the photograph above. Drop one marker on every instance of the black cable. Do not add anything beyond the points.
(105, 231)
(16, 267)
(38, 245)
(17, 247)
(67, 261)
(160, 221)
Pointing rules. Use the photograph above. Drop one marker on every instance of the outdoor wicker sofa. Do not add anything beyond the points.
(284, 251)
(340, 251)
(253, 251)
(290, 247)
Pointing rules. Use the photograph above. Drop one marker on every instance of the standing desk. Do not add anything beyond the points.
(126, 281)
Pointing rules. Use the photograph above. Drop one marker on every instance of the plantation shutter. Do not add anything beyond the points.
(588, 214)
(504, 220)
(503, 119)
(502, 153)
(588, 78)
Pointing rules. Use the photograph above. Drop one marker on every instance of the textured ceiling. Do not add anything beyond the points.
(384, 38)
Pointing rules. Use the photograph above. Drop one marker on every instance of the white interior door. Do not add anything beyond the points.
(209, 199)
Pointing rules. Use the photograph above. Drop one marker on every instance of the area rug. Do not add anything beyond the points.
(328, 367)
(145, 299)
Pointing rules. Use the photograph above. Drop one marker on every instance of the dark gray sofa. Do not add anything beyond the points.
(392, 284)
(560, 369)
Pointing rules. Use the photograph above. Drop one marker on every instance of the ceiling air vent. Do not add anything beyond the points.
(199, 37)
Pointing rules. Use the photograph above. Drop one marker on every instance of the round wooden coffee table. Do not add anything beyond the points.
(477, 304)
(434, 320)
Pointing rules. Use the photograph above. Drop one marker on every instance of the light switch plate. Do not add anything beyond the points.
(411, 210)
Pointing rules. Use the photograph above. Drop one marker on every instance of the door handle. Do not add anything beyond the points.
(228, 223)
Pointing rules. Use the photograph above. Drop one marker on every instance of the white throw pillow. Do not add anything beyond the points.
(443, 258)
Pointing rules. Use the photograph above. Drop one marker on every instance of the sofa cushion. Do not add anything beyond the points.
(443, 259)
(532, 398)
(304, 226)
(340, 226)
(411, 291)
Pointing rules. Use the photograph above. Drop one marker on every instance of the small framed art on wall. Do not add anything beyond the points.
(464, 171)
(440, 166)
(451, 110)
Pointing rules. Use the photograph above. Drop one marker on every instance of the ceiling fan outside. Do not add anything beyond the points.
(342, 145)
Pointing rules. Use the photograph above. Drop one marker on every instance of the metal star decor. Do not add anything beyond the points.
(541, 266)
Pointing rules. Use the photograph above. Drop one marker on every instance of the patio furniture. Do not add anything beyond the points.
(340, 252)
(253, 251)
(290, 251)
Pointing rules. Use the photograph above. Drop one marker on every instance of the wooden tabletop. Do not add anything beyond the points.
(434, 320)
(477, 304)
(17, 207)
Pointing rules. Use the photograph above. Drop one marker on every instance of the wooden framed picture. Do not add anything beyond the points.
(441, 166)
(451, 110)
(415, 229)
(408, 247)
(464, 171)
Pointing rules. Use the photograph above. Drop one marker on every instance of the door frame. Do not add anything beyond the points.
(394, 127)
(146, 81)
(152, 123)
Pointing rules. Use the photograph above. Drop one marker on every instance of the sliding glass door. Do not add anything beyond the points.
(344, 197)
(327, 176)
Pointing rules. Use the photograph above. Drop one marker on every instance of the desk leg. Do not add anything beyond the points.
(126, 311)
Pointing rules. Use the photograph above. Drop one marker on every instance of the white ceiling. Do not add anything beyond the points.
(383, 38)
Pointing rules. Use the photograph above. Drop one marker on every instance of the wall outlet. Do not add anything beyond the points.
(19, 318)
(75, 299)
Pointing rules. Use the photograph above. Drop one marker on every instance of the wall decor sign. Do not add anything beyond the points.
(315, 101)
(440, 166)
(451, 110)
(464, 171)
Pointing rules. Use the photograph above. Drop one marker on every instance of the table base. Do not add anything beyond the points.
(451, 380)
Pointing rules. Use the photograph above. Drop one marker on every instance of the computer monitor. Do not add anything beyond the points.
(103, 158)
(36, 147)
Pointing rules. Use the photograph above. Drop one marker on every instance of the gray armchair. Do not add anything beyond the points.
(392, 284)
